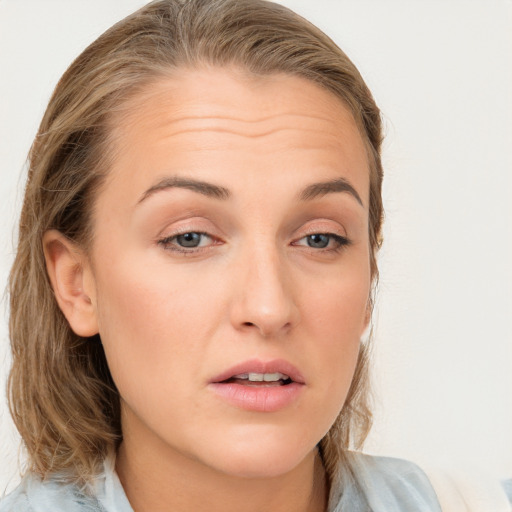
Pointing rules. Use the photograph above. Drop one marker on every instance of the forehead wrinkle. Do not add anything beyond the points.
(240, 134)
(162, 104)
(258, 127)
(258, 119)
(169, 110)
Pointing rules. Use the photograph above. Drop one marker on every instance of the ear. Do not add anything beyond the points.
(72, 281)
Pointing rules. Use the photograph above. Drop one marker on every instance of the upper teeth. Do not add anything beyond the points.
(260, 377)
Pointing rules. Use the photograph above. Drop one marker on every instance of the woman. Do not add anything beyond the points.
(205, 191)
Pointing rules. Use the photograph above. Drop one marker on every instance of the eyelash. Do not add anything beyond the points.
(168, 245)
(340, 242)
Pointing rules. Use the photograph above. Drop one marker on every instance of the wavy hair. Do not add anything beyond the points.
(61, 394)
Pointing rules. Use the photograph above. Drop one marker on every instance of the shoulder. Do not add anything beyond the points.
(396, 484)
(52, 495)
(386, 467)
(384, 484)
(387, 484)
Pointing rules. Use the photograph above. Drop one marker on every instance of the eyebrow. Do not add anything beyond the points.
(202, 187)
(323, 188)
(313, 191)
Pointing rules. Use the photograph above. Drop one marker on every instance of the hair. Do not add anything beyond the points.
(61, 394)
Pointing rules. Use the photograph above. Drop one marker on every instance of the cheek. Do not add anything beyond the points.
(148, 320)
(336, 318)
(338, 303)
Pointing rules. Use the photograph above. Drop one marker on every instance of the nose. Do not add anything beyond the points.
(264, 299)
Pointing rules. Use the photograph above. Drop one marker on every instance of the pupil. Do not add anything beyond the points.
(318, 241)
(189, 239)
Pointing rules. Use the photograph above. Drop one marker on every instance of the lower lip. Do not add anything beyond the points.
(258, 398)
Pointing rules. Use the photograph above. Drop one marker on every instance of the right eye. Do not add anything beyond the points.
(186, 242)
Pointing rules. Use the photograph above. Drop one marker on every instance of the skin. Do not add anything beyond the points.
(254, 289)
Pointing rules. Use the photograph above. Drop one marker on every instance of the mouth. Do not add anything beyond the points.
(255, 372)
(260, 386)
(259, 379)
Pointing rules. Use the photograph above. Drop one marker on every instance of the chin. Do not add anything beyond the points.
(260, 455)
(259, 467)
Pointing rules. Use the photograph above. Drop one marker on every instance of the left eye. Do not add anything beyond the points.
(190, 240)
(323, 241)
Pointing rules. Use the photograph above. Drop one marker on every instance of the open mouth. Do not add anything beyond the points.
(259, 379)
(260, 386)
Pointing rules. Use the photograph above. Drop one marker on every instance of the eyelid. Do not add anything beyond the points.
(170, 236)
(323, 226)
(166, 240)
(191, 223)
(340, 241)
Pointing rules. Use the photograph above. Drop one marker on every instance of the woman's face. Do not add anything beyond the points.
(230, 269)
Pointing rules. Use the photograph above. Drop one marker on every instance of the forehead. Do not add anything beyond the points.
(235, 121)
(234, 94)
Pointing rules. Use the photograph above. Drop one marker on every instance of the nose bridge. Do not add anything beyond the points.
(265, 297)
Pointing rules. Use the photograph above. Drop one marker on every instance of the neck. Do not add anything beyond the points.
(160, 481)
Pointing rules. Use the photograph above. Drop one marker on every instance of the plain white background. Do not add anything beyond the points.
(441, 72)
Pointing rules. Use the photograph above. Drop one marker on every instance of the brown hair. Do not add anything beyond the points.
(62, 397)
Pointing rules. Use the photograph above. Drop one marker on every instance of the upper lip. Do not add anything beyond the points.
(258, 366)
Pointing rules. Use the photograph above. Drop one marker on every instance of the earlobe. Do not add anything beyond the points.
(69, 273)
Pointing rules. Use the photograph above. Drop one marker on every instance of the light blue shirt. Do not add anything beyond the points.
(379, 484)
